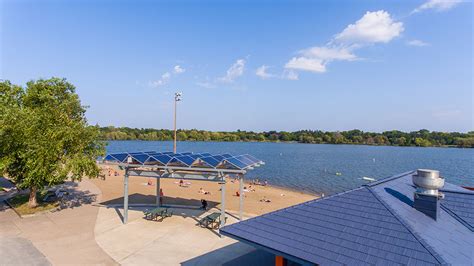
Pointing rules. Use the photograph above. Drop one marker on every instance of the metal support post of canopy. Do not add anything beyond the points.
(125, 197)
(241, 196)
(222, 219)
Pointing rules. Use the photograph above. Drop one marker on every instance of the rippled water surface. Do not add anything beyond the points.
(327, 168)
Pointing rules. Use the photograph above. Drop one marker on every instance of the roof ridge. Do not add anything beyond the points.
(423, 243)
(389, 178)
(465, 192)
(457, 217)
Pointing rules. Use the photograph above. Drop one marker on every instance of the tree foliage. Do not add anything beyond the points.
(44, 136)
(421, 138)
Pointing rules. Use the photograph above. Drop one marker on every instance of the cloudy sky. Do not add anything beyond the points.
(252, 65)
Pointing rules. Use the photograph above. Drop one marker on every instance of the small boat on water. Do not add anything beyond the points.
(369, 179)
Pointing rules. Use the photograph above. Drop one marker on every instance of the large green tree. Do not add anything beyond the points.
(44, 135)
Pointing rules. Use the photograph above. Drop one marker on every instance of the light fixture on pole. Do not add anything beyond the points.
(177, 98)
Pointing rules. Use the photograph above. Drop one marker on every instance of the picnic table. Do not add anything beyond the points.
(161, 212)
(213, 220)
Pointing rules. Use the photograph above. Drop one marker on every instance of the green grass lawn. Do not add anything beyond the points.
(20, 204)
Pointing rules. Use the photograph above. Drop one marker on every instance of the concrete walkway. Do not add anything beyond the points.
(174, 241)
(30, 255)
(63, 237)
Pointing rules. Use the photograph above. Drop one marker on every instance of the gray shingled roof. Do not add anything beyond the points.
(460, 206)
(373, 224)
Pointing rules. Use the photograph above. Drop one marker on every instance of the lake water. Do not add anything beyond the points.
(313, 167)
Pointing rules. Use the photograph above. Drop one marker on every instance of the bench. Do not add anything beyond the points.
(212, 220)
(157, 212)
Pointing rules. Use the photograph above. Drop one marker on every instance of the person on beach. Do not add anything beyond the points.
(181, 182)
(203, 204)
(161, 196)
(202, 191)
(264, 199)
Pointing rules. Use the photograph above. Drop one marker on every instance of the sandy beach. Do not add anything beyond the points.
(142, 190)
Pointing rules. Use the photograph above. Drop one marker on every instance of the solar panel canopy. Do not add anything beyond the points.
(185, 159)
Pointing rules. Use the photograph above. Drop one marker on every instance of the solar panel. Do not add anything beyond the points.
(121, 157)
(255, 160)
(141, 158)
(110, 158)
(163, 158)
(211, 161)
(244, 159)
(185, 159)
(237, 163)
(196, 156)
(219, 157)
(151, 160)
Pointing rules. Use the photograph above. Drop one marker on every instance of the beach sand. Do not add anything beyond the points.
(141, 192)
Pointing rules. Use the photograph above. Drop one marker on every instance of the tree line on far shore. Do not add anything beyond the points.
(421, 138)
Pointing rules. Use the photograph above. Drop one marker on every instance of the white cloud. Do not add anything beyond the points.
(165, 78)
(316, 58)
(326, 53)
(287, 74)
(262, 72)
(373, 27)
(438, 5)
(162, 81)
(235, 71)
(418, 43)
(307, 64)
(290, 75)
(178, 69)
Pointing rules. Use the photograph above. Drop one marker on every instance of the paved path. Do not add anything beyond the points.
(30, 255)
(63, 237)
(174, 241)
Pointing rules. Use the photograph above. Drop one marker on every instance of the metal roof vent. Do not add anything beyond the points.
(427, 196)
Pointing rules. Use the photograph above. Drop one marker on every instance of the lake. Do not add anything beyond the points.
(325, 168)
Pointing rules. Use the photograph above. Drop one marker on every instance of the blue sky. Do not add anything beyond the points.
(252, 65)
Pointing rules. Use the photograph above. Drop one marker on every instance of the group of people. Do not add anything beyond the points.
(257, 182)
(202, 191)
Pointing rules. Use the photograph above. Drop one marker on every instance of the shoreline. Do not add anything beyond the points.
(297, 142)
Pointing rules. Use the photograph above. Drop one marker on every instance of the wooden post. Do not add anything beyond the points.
(280, 261)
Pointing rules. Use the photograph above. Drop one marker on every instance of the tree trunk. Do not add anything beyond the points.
(32, 202)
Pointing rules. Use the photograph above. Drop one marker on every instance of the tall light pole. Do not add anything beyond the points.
(177, 98)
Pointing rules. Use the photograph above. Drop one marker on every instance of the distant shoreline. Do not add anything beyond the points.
(296, 142)
(420, 138)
